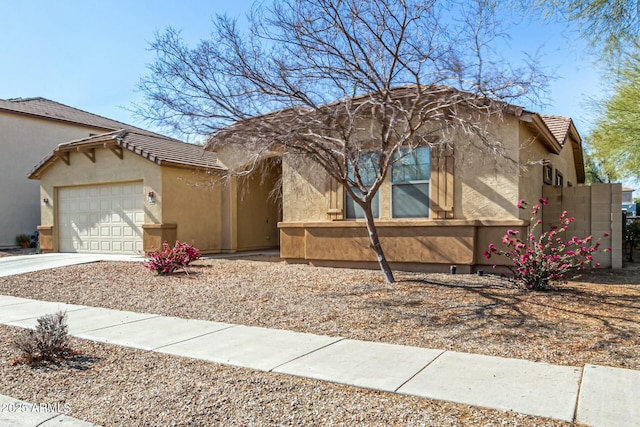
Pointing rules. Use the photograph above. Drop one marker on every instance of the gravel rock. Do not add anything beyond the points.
(579, 323)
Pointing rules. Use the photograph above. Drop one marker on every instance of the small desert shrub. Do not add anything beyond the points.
(23, 239)
(48, 342)
(166, 260)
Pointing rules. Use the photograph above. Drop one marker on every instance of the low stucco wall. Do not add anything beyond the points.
(428, 245)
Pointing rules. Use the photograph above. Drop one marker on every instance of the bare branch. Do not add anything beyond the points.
(347, 84)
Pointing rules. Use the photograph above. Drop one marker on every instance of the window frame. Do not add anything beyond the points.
(376, 198)
(559, 179)
(415, 182)
(547, 174)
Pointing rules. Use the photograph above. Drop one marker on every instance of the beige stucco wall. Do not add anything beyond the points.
(532, 153)
(304, 187)
(486, 191)
(191, 199)
(486, 186)
(24, 142)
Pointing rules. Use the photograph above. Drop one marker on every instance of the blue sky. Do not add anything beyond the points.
(90, 55)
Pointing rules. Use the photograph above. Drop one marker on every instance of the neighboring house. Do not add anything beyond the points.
(628, 205)
(31, 128)
(460, 202)
(128, 190)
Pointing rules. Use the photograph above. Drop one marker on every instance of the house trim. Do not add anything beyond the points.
(410, 245)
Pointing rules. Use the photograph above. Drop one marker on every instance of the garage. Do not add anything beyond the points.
(129, 191)
(101, 218)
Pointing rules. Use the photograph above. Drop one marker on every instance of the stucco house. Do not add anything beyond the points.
(128, 190)
(31, 128)
(458, 202)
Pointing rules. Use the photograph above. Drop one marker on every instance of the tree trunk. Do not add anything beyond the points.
(375, 244)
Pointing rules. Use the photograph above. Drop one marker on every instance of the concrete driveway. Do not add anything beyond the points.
(21, 264)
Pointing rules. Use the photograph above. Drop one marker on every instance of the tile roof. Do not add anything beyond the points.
(45, 108)
(159, 149)
(558, 125)
(561, 127)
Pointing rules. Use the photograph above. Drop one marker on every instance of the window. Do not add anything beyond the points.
(559, 179)
(547, 174)
(410, 174)
(368, 166)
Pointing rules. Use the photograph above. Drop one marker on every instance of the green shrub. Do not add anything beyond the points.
(48, 342)
(633, 232)
(22, 238)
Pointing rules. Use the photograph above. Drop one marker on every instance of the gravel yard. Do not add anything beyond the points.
(594, 321)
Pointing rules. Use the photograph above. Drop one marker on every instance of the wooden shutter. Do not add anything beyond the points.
(442, 184)
(334, 196)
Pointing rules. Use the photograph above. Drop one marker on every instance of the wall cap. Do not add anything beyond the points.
(159, 226)
(407, 223)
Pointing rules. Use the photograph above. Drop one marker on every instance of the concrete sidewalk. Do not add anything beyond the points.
(21, 264)
(592, 395)
(18, 413)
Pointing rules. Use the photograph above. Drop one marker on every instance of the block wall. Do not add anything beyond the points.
(596, 209)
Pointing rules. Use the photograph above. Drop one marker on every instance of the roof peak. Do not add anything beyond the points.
(32, 98)
(558, 125)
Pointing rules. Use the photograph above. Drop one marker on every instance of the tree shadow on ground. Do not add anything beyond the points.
(73, 362)
(504, 309)
(628, 275)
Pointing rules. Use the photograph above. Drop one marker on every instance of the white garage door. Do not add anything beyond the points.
(101, 218)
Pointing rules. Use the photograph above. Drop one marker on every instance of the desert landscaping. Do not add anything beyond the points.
(595, 320)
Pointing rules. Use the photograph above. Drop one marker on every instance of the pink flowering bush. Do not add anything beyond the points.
(166, 260)
(550, 258)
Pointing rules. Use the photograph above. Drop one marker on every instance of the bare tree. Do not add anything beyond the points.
(351, 85)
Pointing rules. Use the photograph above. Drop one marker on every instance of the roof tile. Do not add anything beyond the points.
(45, 108)
(159, 149)
(155, 147)
(558, 125)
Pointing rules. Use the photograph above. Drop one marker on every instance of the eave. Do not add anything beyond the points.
(117, 143)
(535, 122)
